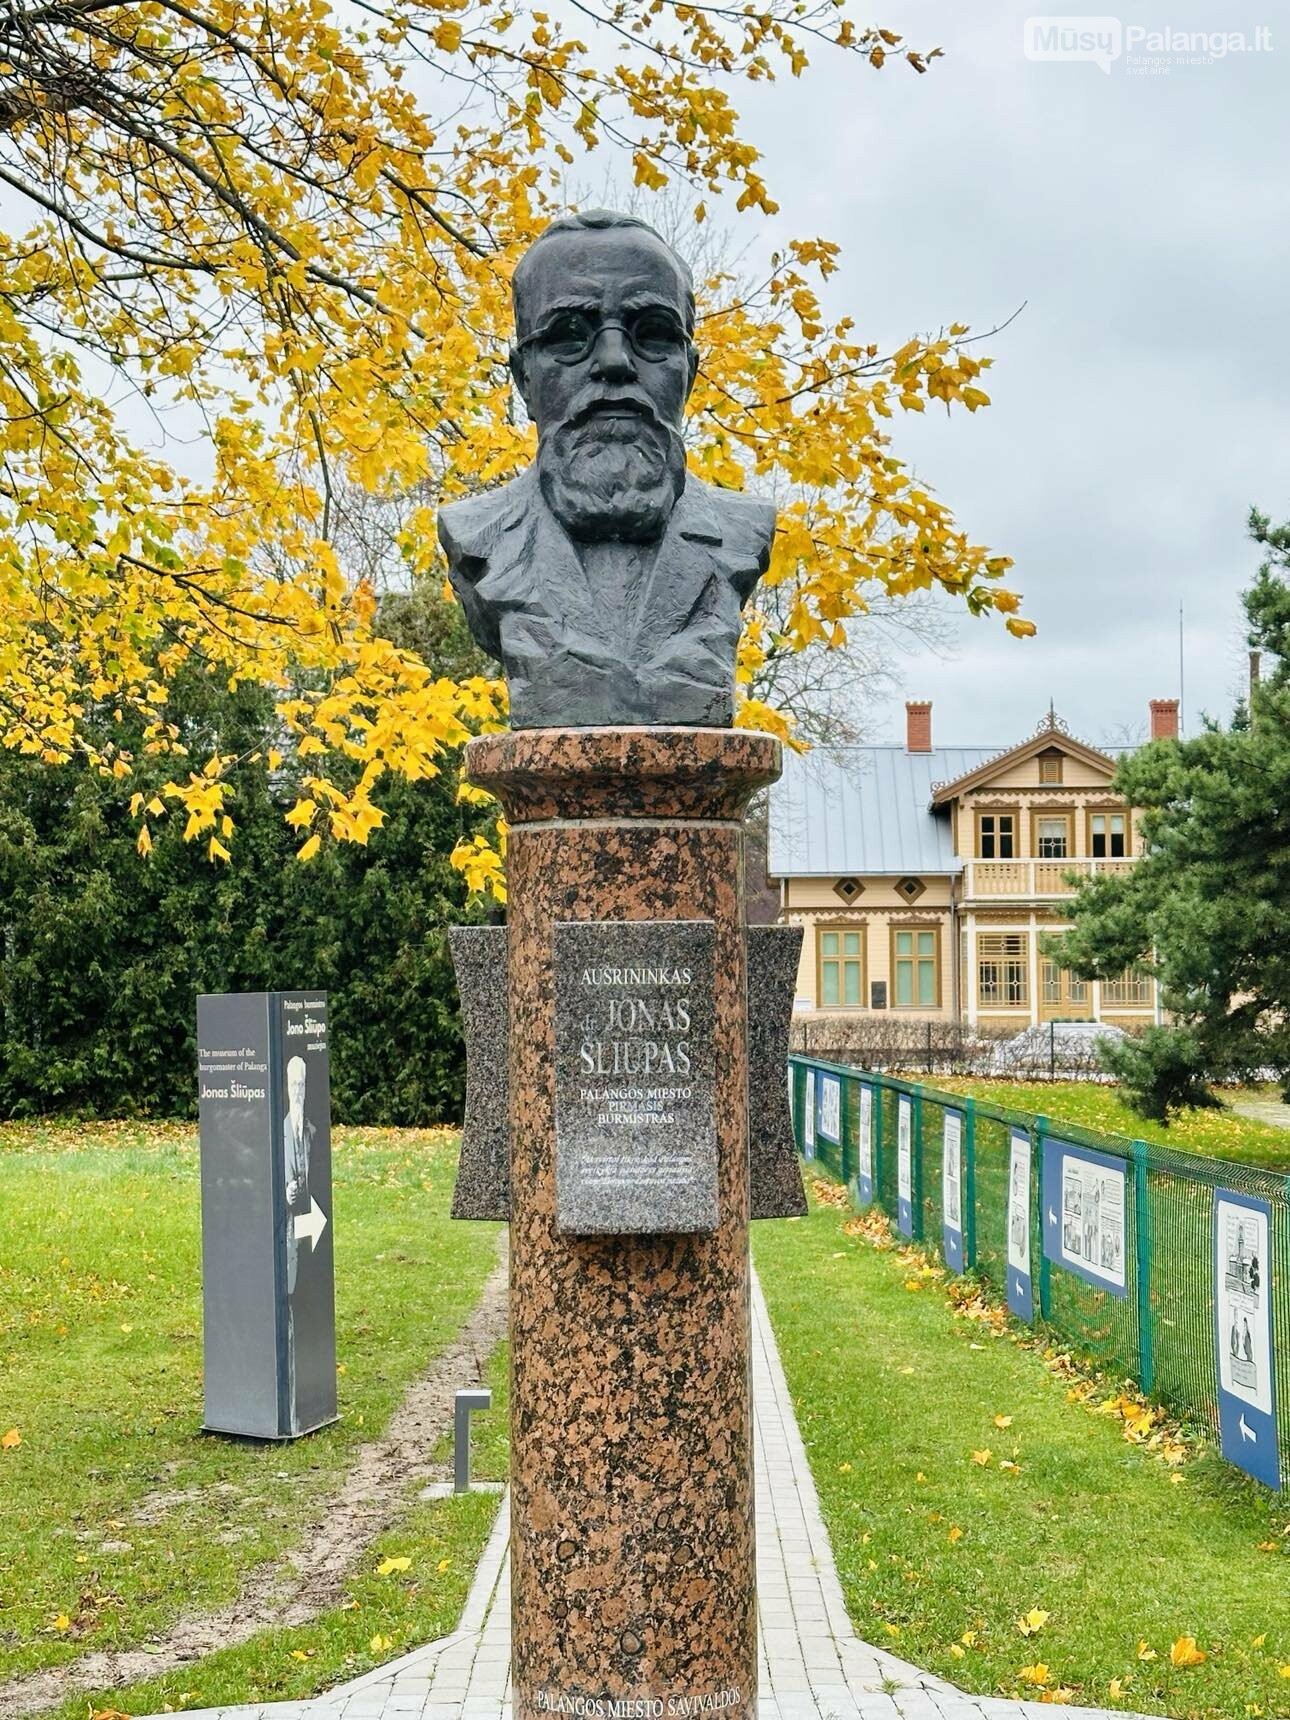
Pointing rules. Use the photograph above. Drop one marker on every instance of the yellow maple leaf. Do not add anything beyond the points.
(957, 1650)
(62, 1622)
(310, 848)
(10, 1440)
(1032, 1621)
(1116, 1688)
(1059, 1693)
(983, 1456)
(969, 1637)
(299, 1654)
(1144, 1651)
(1184, 1652)
(1003, 1421)
(1036, 1674)
(379, 1644)
(386, 1566)
(955, 1534)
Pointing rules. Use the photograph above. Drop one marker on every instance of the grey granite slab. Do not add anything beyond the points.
(775, 1176)
(483, 1179)
(483, 1187)
(635, 1077)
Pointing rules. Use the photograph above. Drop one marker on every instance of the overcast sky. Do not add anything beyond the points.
(1140, 401)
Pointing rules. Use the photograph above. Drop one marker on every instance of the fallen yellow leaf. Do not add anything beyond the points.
(969, 1637)
(1036, 1674)
(1145, 1653)
(1284, 1670)
(444, 1565)
(844, 1469)
(955, 1534)
(1034, 1620)
(1184, 1652)
(387, 1566)
(1116, 1688)
(379, 1643)
(983, 1456)
(957, 1650)
(299, 1654)
(1060, 1693)
(1258, 1641)
(10, 1440)
(62, 1622)
(1268, 1547)
(1003, 1421)
(892, 1629)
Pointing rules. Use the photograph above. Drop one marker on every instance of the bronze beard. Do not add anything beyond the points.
(608, 478)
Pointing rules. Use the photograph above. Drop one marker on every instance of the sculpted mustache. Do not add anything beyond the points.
(588, 407)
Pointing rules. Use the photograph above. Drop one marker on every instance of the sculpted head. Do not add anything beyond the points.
(604, 361)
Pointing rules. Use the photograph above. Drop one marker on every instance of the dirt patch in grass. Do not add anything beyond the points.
(310, 1578)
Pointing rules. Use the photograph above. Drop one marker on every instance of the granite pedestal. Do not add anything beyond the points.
(633, 1589)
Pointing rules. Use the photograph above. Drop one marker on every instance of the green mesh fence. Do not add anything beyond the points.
(1161, 1332)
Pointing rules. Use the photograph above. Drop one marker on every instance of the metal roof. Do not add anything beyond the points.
(837, 811)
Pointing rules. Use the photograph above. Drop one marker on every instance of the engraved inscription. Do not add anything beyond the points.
(635, 1110)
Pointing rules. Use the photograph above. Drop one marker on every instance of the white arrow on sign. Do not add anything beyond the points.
(311, 1223)
(1247, 1432)
(1052, 1216)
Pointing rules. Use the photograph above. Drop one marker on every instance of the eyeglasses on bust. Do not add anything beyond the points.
(653, 334)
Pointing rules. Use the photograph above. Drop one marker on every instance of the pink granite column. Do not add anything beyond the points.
(631, 1420)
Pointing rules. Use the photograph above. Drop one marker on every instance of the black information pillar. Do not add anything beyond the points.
(267, 1265)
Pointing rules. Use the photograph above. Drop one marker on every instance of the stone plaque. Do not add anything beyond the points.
(635, 1106)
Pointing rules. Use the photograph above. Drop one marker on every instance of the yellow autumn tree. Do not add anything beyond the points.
(258, 246)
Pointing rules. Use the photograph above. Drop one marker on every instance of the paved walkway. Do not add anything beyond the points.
(813, 1665)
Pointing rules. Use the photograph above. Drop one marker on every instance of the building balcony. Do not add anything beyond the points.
(1032, 880)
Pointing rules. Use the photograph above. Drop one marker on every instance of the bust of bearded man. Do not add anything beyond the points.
(607, 580)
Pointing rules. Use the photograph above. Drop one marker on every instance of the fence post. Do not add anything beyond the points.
(1052, 1050)
(927, 1061)
(916, 1163)
(969, 1183)
(876, 1139)
(844, 1129)
(1040, 1126)
(794, 1106)
(1142, 1232)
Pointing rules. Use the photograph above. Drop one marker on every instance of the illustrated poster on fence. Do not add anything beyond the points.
(952, 1190)
(830, 1118)
(1084, 1214)
(808, 1117)
(1021, 1298)
(865, 1145)
(905, 1166)
(1243, 1334)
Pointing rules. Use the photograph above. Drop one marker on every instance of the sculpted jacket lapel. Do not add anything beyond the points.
(534, 567)
(694, 570)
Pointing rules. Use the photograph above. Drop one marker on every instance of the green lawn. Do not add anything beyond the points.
(1223, 1134)
(116, 1513)
(895, 1395)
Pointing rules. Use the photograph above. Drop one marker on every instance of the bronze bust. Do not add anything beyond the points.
(607, 580)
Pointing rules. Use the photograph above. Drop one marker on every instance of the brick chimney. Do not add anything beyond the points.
(1164, 719)
(918, 725)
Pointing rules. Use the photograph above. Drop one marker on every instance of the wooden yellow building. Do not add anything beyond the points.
(925, 876)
